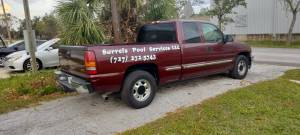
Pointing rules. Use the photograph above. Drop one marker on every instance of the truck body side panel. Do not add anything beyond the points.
(114, 61)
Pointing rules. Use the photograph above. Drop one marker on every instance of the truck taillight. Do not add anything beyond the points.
(90, 63)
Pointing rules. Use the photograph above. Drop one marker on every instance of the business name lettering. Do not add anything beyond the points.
(136, 55)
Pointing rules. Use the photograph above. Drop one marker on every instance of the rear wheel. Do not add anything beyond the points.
(139, 89)
(240, 69)
(27, 65)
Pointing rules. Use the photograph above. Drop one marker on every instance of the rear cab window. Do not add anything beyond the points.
(158, 33)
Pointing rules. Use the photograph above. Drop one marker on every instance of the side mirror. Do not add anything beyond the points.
(228, 38)
(16, 48)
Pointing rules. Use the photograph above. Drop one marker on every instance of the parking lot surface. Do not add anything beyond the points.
(91, 115)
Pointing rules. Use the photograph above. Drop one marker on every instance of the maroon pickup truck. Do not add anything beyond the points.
(165, 52)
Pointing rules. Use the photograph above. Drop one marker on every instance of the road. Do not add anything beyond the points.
(277, 56)
(3, 73)
(90, 115)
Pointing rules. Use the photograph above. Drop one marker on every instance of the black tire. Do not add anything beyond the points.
(241, 67)
(134, 90)
(25, 67)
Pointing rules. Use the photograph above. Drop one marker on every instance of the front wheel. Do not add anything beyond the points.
(139, 89)
(240, 69)
(27, 65)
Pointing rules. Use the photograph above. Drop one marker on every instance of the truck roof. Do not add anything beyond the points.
(180, 20)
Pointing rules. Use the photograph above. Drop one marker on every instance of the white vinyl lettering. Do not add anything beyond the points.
(138, 54)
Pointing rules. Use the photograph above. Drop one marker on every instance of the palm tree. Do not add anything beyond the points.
(129, 11)
(78, 22)
(160, 10)
(115, 21)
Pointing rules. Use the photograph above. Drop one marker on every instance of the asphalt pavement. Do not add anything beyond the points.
(90, 115)
(277, 56)
(3, 73)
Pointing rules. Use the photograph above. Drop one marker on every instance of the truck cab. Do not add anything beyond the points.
(165, 52)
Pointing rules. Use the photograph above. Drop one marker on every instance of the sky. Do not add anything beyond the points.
(37, 7)
(41, 7)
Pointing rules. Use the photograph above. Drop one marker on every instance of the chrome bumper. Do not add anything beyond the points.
(71, 83)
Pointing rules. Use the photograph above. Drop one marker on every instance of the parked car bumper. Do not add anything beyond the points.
(14, 65)
(71, 83)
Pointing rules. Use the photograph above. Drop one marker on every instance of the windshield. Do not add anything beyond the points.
(16, 43)
(47, 44)
(20, 45)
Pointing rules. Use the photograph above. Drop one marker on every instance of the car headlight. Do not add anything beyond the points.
(14, 58)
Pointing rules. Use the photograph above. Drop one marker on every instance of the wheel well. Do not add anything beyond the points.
(150, 68)
(248, 55)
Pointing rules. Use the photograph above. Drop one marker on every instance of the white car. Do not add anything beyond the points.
(46, 54)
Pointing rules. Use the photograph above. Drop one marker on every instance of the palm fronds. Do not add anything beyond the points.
(78, 21)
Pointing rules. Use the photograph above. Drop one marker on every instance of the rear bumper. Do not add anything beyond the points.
(72, 83)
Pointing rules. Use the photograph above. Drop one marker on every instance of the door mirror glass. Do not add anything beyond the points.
(228, 38)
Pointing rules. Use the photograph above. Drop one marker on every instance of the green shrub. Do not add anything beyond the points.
(23, 91)
(48, 90)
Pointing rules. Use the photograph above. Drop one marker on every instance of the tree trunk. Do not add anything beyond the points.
(115, 21)
(220, 22)
(290, 34)
(6, 23)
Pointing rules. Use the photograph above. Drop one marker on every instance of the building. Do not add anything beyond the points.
(262, 19)
(187, 11)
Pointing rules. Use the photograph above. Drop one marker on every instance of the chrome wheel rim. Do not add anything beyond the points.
(141, 90)
(28, 66)
(242, 67)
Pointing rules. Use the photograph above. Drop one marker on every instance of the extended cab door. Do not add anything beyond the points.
(194, 51)
(220, 54)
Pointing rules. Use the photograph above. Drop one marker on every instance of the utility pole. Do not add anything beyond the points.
(115, 21)
(31, 41)
(6, 22)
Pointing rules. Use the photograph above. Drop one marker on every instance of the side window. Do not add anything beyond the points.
(55, 46)
(191, 32)
(211, 33)
(157, 33)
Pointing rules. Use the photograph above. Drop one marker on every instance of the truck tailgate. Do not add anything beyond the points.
(71, 59)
